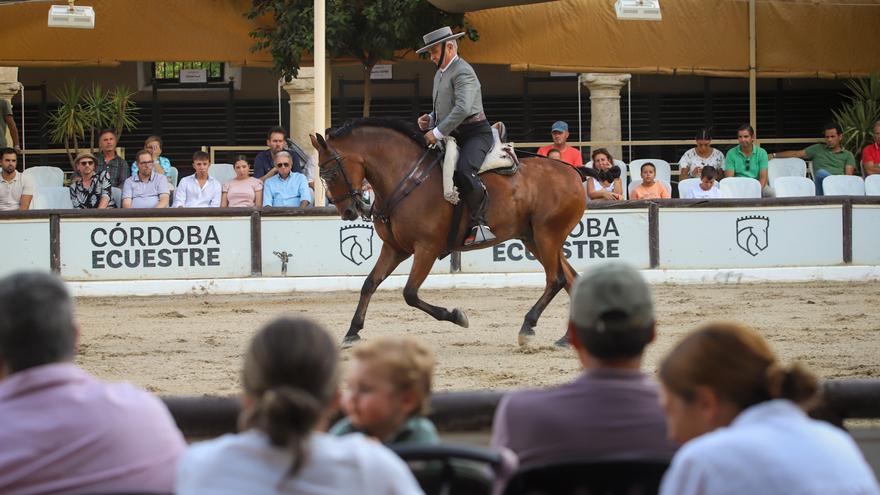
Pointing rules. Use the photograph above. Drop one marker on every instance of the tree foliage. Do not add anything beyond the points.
(367, 30)
(859, 112)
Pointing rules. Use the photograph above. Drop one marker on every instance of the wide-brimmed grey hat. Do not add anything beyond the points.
(438, 36)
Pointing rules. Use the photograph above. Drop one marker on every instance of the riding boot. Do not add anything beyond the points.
(478, 200)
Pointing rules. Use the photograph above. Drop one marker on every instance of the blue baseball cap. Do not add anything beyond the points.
(559, 126)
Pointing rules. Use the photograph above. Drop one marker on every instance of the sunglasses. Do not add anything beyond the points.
(283, 164)
(86, 162)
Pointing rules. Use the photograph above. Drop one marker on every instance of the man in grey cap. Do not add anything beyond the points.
(612, 410)
(559, 133)
(458, 111)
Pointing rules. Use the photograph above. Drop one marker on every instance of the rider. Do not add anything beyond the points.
(458, 110)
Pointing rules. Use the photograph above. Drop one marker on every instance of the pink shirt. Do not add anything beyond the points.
(656, 191)
(242, 193)
(64, 431)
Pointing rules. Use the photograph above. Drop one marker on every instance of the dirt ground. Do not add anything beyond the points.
(192, 345)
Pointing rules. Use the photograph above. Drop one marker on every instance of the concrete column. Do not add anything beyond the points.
(302, 118)
(9, 87)
(605, 107)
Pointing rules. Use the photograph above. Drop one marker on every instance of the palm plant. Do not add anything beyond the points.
(68, 122)
(859, 112)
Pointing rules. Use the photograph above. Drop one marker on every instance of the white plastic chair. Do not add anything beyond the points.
(794, 187)
(872, 185)
(843, 185)
(686, 186)
(785, 167)
(116, 194)
(624, 183)
(221, 171)
(664, 170)
(51, 198)
(740, 187)
(636, 182)
(46, 176)
(174, 175)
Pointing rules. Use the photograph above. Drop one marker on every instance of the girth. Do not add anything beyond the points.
(419, 172)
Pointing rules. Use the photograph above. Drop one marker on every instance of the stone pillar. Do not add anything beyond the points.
(302, 118)
(9, 87)
(605, 107)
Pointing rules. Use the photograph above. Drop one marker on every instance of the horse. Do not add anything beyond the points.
(540, 205)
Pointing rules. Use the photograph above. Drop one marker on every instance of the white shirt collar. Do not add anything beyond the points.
(449, 64)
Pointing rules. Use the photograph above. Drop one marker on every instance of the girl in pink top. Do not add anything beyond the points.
(649, 188)
(244, 190)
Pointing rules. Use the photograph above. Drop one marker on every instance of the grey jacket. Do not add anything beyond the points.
(457, 96)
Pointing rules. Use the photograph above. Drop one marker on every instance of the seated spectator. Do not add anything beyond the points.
(554, 154)
(161, 165)
(608, 186)
(243, 191)
(736, 406)
(16, 189)
(650, 188)
(612, 410)
(389, 385)
(264, 163)
(748, 159)
(109, 161)
(871, 153)
(88, 190)
(290, 392)
(286, 188)
(828, 159)
(568, 154)
(147, 189)
(198, 190)
(63, 430)
(702, 155)
(707, 188)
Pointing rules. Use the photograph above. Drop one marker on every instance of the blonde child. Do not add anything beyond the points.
(388, 388)
(649, 188)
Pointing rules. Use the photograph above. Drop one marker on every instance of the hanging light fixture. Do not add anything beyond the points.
(637, 10)
(71, 16)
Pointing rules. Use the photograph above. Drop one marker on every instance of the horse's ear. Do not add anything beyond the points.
(318, 141)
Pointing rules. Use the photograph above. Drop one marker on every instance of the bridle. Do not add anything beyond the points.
(329, 174)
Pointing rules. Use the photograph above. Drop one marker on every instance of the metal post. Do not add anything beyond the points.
(753, 98)
(320, 83)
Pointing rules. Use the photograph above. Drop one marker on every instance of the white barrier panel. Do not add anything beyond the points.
(25, 246)
(751, 237)
(324, 246)
(866, 234)
(620, 235)
(95, 249)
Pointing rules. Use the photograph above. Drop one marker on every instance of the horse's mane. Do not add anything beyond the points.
(404, 127)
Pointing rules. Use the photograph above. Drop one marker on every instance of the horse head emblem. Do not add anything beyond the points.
(356, 242)
(751, 233)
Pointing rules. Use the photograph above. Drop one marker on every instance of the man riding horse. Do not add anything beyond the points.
(458, 111)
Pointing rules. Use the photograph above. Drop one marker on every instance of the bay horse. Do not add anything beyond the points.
(540, 205)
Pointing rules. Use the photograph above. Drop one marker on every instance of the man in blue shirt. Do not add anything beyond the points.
(286, 188)
(264, 163)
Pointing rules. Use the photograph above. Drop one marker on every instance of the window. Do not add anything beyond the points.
(169, 72)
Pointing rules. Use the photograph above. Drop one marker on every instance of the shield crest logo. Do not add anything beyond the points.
(356, 242)
(751, 233)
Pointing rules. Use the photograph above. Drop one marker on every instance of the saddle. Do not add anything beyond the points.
(500, 159)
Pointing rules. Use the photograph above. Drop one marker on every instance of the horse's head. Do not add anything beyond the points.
(342, 177)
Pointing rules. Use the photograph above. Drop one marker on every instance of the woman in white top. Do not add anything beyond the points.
(608, 186)
(290, 392)
(692, 162)
(736, 408)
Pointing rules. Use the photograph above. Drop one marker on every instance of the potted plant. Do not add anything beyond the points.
(859, 112)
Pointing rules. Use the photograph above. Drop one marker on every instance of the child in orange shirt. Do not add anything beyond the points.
(649, 188)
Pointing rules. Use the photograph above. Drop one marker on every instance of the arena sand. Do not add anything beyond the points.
(192, 345)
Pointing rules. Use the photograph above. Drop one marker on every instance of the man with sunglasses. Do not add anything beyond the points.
(89, 189)
(748, 160)
(286, 188)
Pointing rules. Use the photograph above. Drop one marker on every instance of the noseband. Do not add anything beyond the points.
(329, 174)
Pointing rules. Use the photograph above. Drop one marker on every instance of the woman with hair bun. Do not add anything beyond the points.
(290, 382)
(737, 409)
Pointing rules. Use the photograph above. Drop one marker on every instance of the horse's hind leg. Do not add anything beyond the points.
(556, 279)
(389, 259)
(570, 273)
(422, 263)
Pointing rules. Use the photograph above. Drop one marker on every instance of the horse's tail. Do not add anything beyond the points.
(587, 172)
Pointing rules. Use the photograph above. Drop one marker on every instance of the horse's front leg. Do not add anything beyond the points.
(422, 263)
(389, 259)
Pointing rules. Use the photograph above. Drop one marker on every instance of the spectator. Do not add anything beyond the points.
(389, 385)
(554, 154)
(871, 154)
(748, 159)
(153, 144)
(16, 189)
(608, 186)
(147, 189)
(264, 163)
(290, 391)
(707, 187)
(6, 121)
(703, 154)
(242, 191)
(649, 188)
(108, 161)
(87, 189)
(286, 188)
(726, 395)
(612, 410)
(199, 189)
(569, 154)
(63, 430)
(828, 159)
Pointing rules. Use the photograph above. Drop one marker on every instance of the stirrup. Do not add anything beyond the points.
(479, 235)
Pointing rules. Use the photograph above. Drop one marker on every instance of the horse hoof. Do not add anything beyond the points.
(562, 342)
(459, 318)
(525, 337)
(350, 340)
